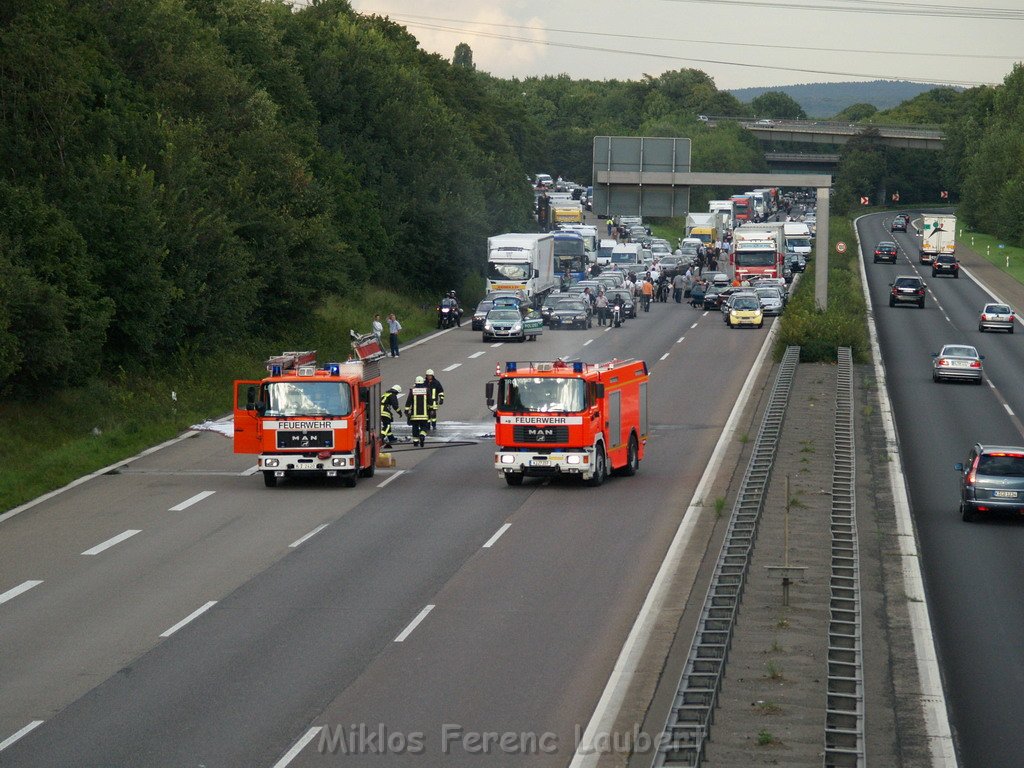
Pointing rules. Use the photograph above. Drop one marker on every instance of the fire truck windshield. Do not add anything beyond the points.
(755, 258)
(544, 395)
(308, 398)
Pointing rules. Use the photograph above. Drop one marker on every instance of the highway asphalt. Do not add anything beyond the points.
(289, 633)
(972, 571)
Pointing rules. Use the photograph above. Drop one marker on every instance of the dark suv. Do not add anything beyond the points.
(886, 251)
(991, 481)
(907, 290)
(899, 224)
(945, 264)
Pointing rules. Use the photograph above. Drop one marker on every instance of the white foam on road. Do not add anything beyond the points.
(194, 615)
(226, 428)
(25, 586)
(190, 501)
(413, 624)
(111, 542)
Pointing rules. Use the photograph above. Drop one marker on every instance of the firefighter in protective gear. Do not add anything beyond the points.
(417, 410)
(435, 399)
(389, 408)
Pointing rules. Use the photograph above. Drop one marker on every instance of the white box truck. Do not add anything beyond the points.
(938, 236)
(522, 262)
(798, 238)
(724, 212)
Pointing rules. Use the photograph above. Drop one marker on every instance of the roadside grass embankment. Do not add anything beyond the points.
(54, 437)
(988, 247)
(844, 322)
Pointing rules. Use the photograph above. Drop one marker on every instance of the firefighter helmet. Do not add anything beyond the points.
(396, 388)
(430, 371)
(420, 380)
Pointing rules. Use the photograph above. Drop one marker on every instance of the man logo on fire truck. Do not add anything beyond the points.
(558, 418)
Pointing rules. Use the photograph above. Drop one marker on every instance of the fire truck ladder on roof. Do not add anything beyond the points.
(290, 361)
(692, 712)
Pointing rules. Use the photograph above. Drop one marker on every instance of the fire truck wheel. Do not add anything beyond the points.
(599, 468)
(632, 458)
(348, 479)
(514, 478)
(369, 471)
(269, 480)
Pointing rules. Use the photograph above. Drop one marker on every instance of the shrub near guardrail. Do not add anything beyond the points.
(844, 324)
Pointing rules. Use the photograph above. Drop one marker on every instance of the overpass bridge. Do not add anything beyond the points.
(838, 133)
(801, 162)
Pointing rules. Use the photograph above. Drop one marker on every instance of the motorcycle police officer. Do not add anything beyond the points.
(435, 399)
(417, 411)
(389, 404)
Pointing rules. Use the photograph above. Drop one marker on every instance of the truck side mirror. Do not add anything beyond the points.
(599, 391)
(364, 396)
(536, 273)
(250, 398)
(489, 391)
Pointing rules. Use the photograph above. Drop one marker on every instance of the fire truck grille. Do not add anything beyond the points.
(540, 434)
(294, 438)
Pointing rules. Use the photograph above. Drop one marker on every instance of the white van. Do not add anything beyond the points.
(604, 252)
(629, 254)
(798, 237)
(589, 235)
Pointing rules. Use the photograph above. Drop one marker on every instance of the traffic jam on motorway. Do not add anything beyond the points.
(991, 478)
(308, 421)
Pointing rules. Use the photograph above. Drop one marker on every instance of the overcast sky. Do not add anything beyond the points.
(740, 43)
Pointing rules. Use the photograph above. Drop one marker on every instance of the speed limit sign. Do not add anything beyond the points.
(840, 247)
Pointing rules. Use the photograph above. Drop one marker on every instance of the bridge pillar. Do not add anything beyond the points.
(821, 251)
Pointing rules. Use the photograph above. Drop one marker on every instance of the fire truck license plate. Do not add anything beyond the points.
(294, 438)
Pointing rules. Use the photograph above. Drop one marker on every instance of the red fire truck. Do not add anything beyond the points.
(305, 421)
(562, 418)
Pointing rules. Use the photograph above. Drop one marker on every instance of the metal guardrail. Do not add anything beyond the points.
(692, 713)
(844, 707)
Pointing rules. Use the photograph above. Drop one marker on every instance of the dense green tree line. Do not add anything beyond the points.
(179, 173)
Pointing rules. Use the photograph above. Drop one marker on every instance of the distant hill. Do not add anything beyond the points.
(827, 99)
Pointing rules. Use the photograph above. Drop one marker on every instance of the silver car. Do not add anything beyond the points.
(771, 300)
(996, 317)
(957, 361)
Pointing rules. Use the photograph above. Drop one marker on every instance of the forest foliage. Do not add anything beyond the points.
(181, 174)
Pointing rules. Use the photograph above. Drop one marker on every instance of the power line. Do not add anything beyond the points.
(701, 61)
(877, 7)
(412, 17)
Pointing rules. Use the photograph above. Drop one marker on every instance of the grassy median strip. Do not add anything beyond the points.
(53, 438)
(988, 247)
(844, 324)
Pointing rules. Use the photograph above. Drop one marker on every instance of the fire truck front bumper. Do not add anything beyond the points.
(307, 465)
(545, 463)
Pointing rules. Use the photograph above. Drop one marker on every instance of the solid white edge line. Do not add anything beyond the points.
(19, 733)
(475, 355)
(663, 356)
(299, 745)
(194, 615)
(413, 624)
(92, 475)
(451, 367)
(111, 542)
(1009, 410)
(497, 535)
(588, 753)
(25, 586)
(933, 698)
(303, 539)
(388, 480)
(190, 501)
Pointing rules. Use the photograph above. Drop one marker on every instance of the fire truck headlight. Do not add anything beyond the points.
(338, 461)
(508, 458)
(271, 462)
(573, 458)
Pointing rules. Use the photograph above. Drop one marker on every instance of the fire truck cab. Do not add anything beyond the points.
(305, 421)
(561, 418)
